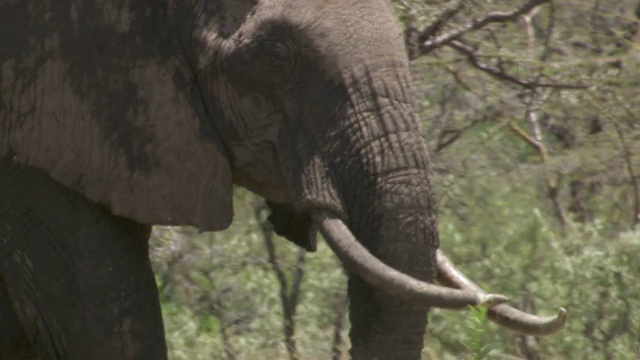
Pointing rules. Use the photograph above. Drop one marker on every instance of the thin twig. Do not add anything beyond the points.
(502, 75)
(493, 17)
(551, 25)
(634, 178)
(414, 38)
(441, 19)
(449, 136)
(342, 302)
(288, 296)
(528, 345)
(229, 352)
(552, 184)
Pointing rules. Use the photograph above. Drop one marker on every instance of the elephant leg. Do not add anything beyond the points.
(14, 344)
(79, 277)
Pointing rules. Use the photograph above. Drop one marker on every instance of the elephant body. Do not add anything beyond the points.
(118, 115)
(147, 113)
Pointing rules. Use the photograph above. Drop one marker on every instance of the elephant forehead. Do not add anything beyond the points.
(343, 31)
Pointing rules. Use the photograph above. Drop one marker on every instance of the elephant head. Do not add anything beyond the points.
(156, 109)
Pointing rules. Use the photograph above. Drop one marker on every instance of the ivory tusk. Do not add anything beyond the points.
(501, 314)
(389, 280)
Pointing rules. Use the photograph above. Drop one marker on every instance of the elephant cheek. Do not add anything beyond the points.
(259, 172)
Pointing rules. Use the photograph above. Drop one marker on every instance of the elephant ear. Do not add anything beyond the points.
(97, 97)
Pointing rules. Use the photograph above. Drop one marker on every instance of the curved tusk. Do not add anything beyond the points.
(502, 314)
(389, 280)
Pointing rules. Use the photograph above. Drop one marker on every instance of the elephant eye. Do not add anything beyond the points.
(269, 61)
(276, 53)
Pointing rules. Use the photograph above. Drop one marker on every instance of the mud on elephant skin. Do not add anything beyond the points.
(118, 115)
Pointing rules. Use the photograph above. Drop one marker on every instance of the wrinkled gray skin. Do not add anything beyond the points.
(118, 115)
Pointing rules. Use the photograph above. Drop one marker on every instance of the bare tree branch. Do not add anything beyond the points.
(229, 352)
(493, 17)
(502, 75)
(634, 178)
(548, 34)
(430, 30)
(552, 184)
(414, 38)
(528, 346)
(448, 136)
(342, 302)
(288, 295)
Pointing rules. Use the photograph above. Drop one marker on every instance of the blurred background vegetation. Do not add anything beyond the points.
(531, 110)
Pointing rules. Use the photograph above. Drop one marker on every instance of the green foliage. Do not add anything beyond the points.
(476, 334)
(514, 249)
(219, 294)
(558, 229)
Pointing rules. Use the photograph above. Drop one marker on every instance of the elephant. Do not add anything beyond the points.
(119, 115)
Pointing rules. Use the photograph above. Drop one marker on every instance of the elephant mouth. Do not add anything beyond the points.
(458, 293)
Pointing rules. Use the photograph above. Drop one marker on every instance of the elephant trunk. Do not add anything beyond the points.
(366, 177)
(384, 185)
(400, 229)
(387, 203)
